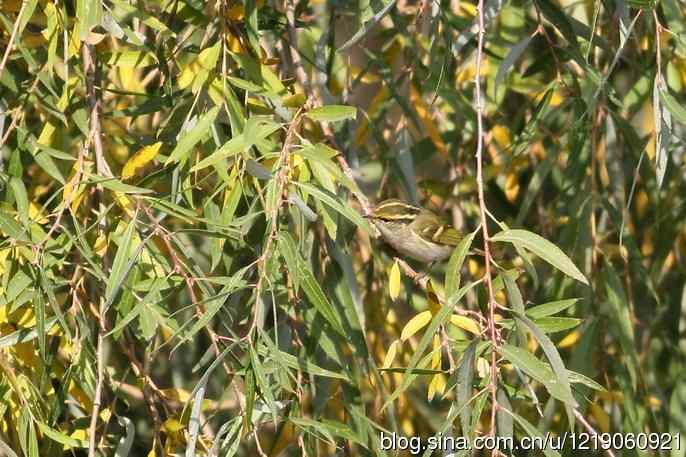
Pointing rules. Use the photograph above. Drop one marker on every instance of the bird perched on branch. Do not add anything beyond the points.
(414, 232)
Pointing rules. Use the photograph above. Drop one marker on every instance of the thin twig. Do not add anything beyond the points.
(293, 58)
(281, 182)
(89, 71)
(580, 417)
(484, 221)
(18, 113)
(10, 44)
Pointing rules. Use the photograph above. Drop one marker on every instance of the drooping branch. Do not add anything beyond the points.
(488, 279)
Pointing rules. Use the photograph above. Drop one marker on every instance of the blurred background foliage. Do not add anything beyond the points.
(185, 269)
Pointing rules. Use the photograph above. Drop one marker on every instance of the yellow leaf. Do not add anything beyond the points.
(437, 386)
(46, 134)
(235, 13)
(390, 355)
(294, 100)
(512, 187)
(177, 394)
(570, 339)
(37, 213)
(503, 138)
(74, 41)
(601, 417)
(415, 324)
(366, 78)
(483, 367)
(653, 402)
(100, 246)
(4, 253)
(465, 323)
(140, 159)
(188, 74)
(394, 282)
(172, 425)
(10, 6)
(428, 122)
(432, 298)
(125, 202)
(374, 106)
(436, 356)
(216, 91)
(208, 57)
(234, 43)
(79, 434)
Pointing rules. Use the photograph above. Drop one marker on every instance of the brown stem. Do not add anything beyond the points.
(484, 221)
(590, 429)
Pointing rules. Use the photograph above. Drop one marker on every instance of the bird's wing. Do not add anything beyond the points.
(432, 229)
(448, 236)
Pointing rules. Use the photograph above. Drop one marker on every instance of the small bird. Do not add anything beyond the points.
(414, 232)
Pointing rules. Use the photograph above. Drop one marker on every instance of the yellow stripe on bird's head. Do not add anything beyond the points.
(394, 210)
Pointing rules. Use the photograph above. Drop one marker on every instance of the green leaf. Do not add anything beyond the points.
(329, 429)
(367, 26)
(537, 369)
(578, 378)
(317, 298)
(25, 334)
(44, 160)
(465, 378)
(452, 272)
(89, 15)
(190, 139)
(118, 272)
(555, 362)
(514, 297)
(559, 19)
(289, 252)
(620, 320)
(61, 437)
(116, 185)
(297, 363)
(21, 198)
(542, 248)
(130, 59)
(332, 202)
(556, 324)
(126, 441)
(11, 227)
(532, 431)
(234, 146)
(673, 105)
(663, 131)
(215, 303)
(332, 113)
(550, 308)
(504, 420)
(265, 387)
(511, 57)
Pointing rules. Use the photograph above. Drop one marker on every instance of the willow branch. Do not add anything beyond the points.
(484, 221)
(89, 71)
(281, 182)
(294, 60)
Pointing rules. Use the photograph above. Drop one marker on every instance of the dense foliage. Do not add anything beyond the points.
(185, 268)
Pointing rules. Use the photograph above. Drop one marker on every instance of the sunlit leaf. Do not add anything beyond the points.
(542, 248)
